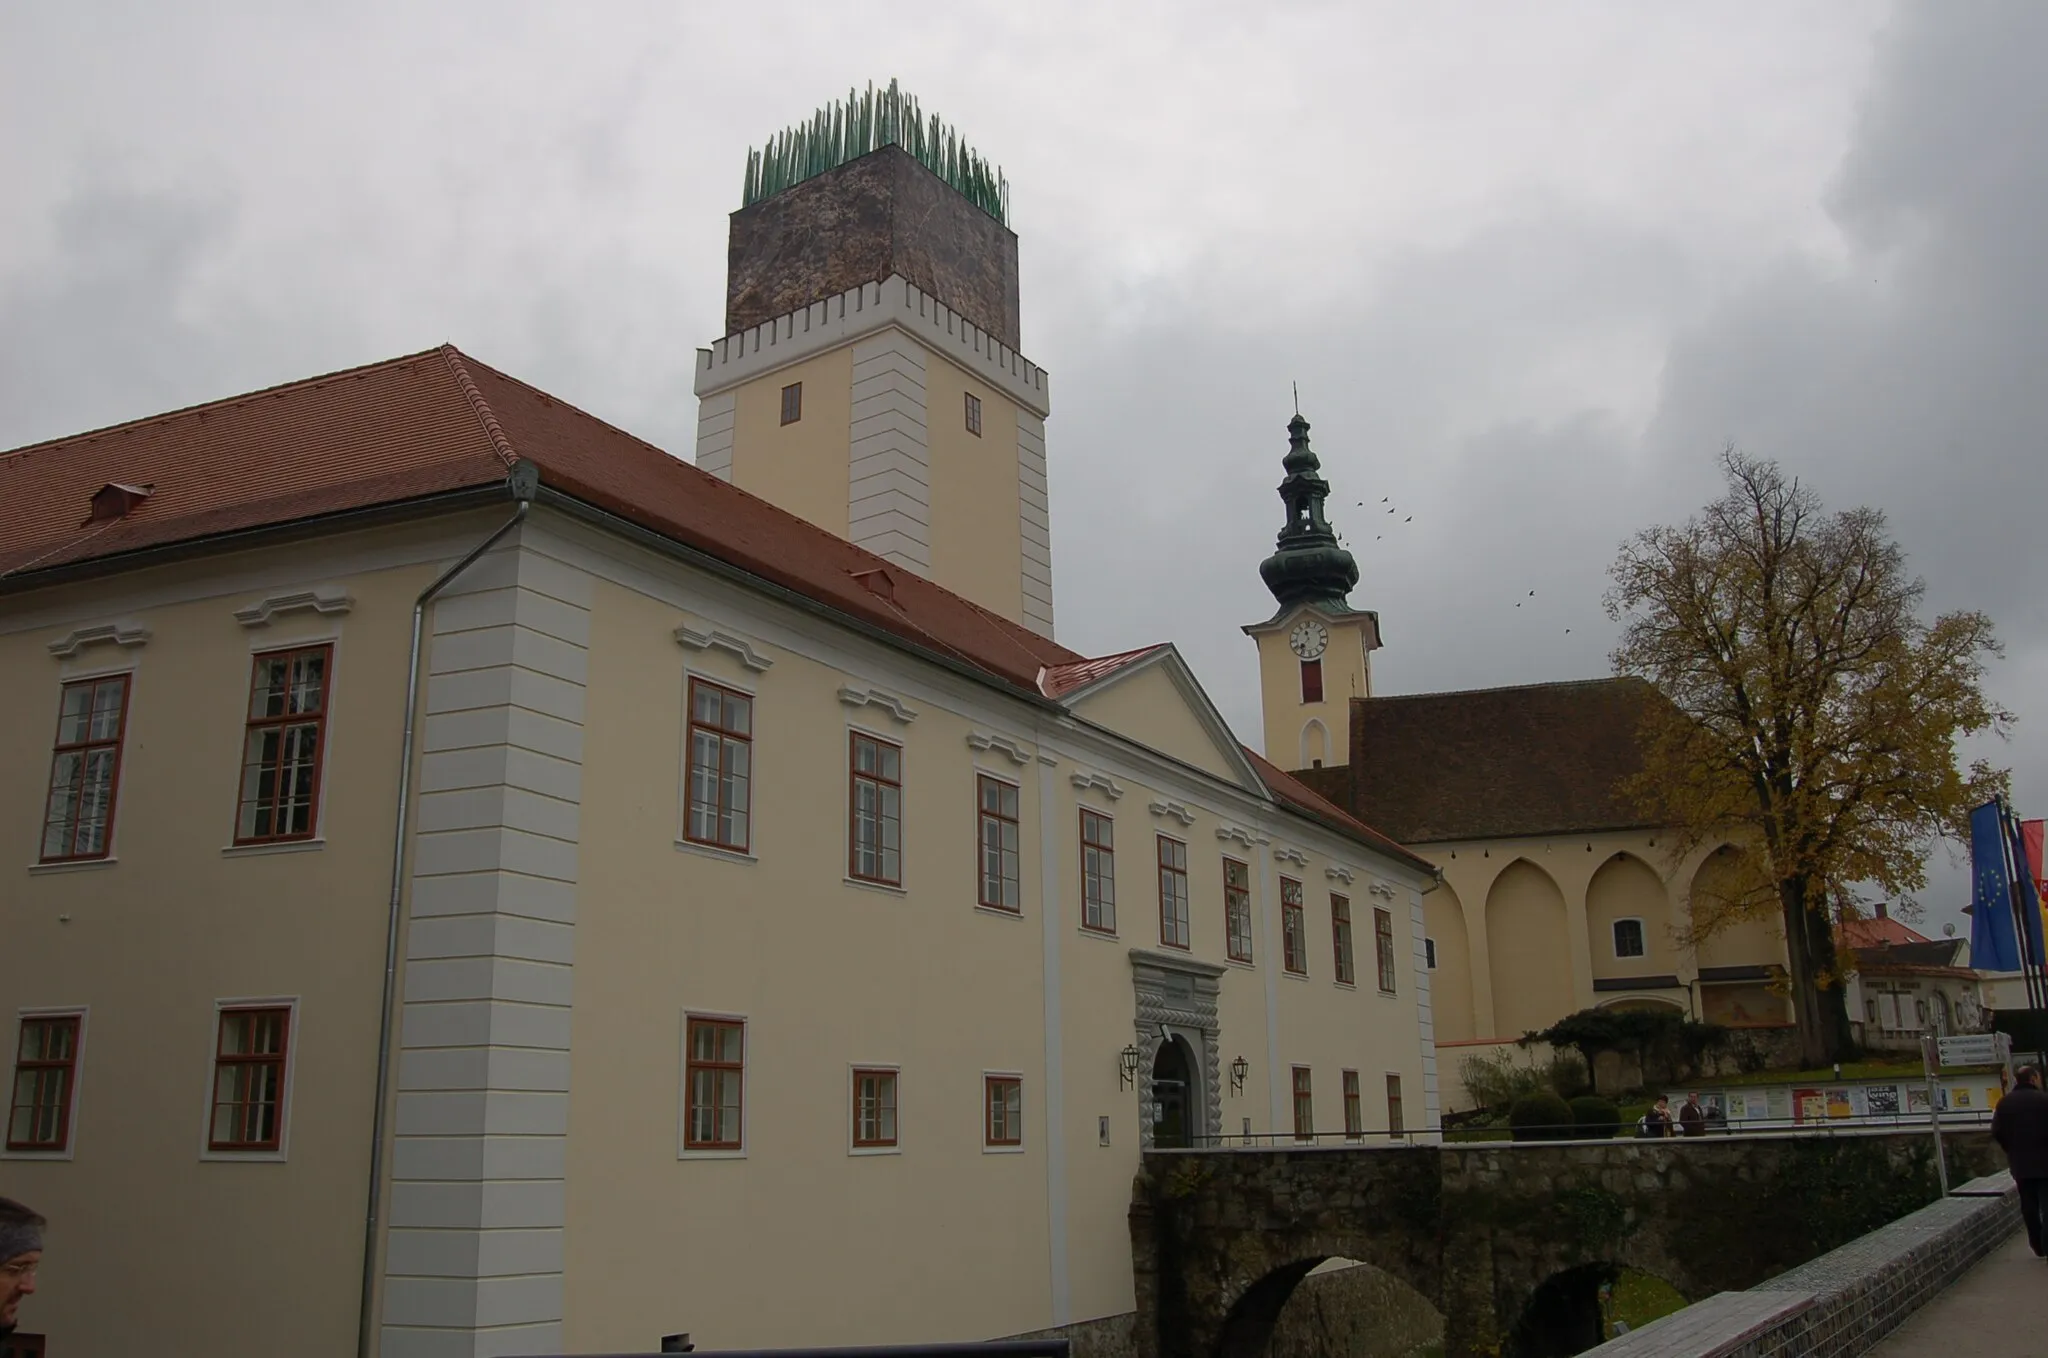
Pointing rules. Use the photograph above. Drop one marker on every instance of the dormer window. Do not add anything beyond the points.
(115, 499)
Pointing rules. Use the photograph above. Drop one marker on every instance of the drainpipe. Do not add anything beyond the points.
(521, 484)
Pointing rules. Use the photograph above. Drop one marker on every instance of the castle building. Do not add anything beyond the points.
(484, 885)
(1554, 894)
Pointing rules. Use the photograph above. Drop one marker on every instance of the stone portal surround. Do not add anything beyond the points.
(1180, 993)
(474, 1258)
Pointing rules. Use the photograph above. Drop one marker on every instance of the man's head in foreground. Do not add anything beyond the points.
(21, 1251)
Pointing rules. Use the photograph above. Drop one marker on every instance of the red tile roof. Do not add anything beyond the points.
(438, 421)
(1872, 933)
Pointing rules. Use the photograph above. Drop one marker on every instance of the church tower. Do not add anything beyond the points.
(1315, 653)
(869, 379)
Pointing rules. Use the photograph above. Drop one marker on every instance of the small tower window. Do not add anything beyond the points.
(792, 403)
(973, 414)
(1311, 681)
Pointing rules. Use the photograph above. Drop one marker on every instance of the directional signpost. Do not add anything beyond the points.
(1930, 1059)
(1976, 1049)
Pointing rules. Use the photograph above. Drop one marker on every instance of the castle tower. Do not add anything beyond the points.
(869, 379)
(1315, 653)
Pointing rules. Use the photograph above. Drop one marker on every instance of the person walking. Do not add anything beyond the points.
(1692, 1119)
(1657, 1122)
(21, 1253)
(2020, 1127)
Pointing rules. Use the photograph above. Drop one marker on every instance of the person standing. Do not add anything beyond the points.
(1692, 1119)
(2020, 1127)
(21, 1253)
(1657, 1122)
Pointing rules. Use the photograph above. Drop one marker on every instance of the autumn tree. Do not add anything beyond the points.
(1813, 714)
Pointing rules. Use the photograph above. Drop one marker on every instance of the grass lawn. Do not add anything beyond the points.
(1638, 1299)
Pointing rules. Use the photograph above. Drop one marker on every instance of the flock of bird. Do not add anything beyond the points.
(1387, 500)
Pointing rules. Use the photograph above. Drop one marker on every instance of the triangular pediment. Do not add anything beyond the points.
(1154, 699)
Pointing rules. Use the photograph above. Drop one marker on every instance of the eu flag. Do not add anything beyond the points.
(1994, 946)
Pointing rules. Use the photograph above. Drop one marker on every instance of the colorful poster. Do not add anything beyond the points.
(1839, 1105)
(1777, 1103)
(1738, 1106)
(1859, 1101)
(1812, 1105)
(1991, 1096)
(1959, 1097)
(1883, 1100)
(1916, 1099)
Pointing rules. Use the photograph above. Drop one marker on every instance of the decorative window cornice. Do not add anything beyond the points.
(1251, 839)
(117, 633)
(1337, 874)
(1381, 890)
(874, 697)
(1286, 854)
(319, 599)
(1173, 809)
(1109, 786)
(1003, 745)
(708, 638)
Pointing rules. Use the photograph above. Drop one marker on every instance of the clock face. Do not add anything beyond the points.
(1308, 638)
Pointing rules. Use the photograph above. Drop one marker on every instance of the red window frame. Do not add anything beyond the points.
(84, 749)
(1304, 1105)
(50, 1083)
(1003, 1110)
(997, 841)
(874, 1110)
(251, 810)
(882, 786)
(1340, 937)
(725, 737)
(1175, 929)
(1354, 1108)
(1396, 1123)
(1293, 928)
(973, 414)
(271, 1068)
(716, 1066)
(1383, 946)
(1098, 872)
(793, 403)
(1311, 681)
(1237, 910)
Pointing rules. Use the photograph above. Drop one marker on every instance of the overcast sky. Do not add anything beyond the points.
(1532, 265)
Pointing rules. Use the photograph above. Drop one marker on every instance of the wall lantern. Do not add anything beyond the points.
(1127, 1067)
(1238, 1070)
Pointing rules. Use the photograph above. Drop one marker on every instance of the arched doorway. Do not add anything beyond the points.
(1173, 1095)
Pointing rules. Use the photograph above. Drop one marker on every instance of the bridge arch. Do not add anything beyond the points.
(1251, 1319)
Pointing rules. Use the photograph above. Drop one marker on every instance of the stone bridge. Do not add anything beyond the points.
(1510, 1241)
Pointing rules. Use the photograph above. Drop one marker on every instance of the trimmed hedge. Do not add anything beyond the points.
(1595, 1116)
(1541, 1117)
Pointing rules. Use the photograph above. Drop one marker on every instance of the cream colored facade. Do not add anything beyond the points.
(919, 436)
(559, 934)
(1304, 734)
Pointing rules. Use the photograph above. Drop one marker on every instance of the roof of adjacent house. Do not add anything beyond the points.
(1496, 762)
(1872, 933)
(438, 423)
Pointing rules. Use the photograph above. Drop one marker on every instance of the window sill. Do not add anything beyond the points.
(1240, 964)
(715, 851)
(852, 1151)
(71, 865)
(265, 850)
(735, 1153)
(1176, 947)
(67, 1153)
(1002, 1150)
(1293, 975)
(865, 885)
(1000, 912)
(1099, 935)
(1345, 985)
(244, 1157)
(1390, 995)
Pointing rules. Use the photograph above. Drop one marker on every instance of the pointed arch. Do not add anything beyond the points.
(1528, 938)
(1315, 744)
(1736, 958)
(1451, 984)
(1627, 888)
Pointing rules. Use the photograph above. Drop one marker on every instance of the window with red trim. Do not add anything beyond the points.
(721, 766)
(997, 844)
(1395, 1126)
(285, 745)
(1311, 681)
(1340, 931)
(1005, 1101)
(874, 1108)
(85, 770)
(45, 1078)
(1383, 945)
(248, 1079)
(1098, 872)
(1293, 928)
(713, 1067)
(1354, 1110)
(1304, 1106)
(1173, 894)
(1237, 909)
(877, 806)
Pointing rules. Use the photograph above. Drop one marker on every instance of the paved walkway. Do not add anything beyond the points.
(1989, 1312)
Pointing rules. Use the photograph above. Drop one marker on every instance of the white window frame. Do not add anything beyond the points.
(683, 842)
(901, 886)
(83, 1013)
(1022, 1139)
(281, 636)
(853, 1069)
(294, 1034)
(684, 1150)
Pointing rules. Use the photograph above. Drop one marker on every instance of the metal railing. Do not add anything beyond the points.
(1384, 1137)
(993, 1348)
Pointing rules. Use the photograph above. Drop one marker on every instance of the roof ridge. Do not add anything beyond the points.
(217, 403)
(1502, 688)
(484, 415)
(878, 559)
(1108, 655)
